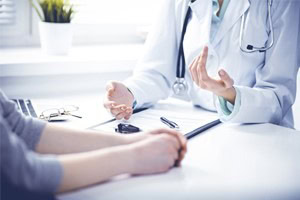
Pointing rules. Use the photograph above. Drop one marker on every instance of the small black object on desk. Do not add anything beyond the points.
(126, 128)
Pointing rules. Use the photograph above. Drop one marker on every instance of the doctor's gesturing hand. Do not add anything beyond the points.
(118, 100)
(223, 87)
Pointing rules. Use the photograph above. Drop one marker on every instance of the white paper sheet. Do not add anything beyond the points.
(187, 116)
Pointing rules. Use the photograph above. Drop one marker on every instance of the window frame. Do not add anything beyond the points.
(20, 33)
(101, 33)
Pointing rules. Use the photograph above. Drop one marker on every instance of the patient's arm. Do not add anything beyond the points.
(154, 154)
(61, 140)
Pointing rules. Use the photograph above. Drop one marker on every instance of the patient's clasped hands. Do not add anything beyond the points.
(157, 151)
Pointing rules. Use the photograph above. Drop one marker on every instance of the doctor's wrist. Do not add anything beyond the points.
(133, 99)
(229, 95)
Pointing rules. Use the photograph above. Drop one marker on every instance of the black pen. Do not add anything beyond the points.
(169, 123)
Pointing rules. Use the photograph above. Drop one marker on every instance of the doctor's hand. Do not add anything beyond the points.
(118, 100)
(223, 87)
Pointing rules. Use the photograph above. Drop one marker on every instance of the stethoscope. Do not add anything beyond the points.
(180, 86)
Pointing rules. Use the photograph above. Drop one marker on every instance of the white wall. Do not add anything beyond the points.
(296, 107)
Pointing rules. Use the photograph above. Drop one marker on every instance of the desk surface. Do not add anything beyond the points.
(226, 162)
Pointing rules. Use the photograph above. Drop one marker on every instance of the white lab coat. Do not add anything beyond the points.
(266, 81)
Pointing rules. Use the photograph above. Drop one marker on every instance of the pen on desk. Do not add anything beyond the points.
(202, 129)
(169, 123)
(114, 119)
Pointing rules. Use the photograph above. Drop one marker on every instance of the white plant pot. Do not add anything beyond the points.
(56, 38)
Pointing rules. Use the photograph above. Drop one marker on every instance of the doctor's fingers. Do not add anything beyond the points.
(122, 115)
(125, 114)
(228, 81)
(116, 110)
(110, 94)
(111, 85)
(108, 101)
(128, 115)
(108, 104)
(201, 67)
(193, 69)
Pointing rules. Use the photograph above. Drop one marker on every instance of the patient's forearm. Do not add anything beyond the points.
(83, 169)
(59, 140)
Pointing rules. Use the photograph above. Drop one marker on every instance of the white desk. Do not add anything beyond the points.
(226, 162)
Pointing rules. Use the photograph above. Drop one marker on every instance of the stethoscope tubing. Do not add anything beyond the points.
(181, 57)
(180, 67)
(253, 48)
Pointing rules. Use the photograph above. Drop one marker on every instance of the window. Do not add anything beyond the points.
(95, 21)
(15, 21)
(114, 20)
(138, 12)
(7, 12)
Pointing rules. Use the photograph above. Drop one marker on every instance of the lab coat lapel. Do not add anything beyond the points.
(198, 35)
(202, 10)
(198, 30)
(234, 12)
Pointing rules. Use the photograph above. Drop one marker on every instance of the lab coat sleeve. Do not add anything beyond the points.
(155, 72)
(274, 92)
(226, 110)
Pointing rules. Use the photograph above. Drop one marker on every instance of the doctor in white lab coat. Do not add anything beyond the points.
(242, 87)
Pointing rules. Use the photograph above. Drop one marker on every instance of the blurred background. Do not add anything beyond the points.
(94, 21)
(107, 41)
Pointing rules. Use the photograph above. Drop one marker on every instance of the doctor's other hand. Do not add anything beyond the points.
(118, 100)
(155, 154)
(223, 87)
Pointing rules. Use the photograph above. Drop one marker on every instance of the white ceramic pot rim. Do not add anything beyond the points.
(56, 38)
(55, 23)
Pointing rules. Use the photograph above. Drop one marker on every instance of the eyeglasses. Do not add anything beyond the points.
(56, 112)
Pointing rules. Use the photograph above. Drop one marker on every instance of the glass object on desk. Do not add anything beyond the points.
(50, 114)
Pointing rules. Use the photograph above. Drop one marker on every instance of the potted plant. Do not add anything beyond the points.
(55, 25)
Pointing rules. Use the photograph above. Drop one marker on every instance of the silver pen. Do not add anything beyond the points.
(169, 123)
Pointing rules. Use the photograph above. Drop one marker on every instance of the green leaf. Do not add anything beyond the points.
(37, 11)
(55, 11)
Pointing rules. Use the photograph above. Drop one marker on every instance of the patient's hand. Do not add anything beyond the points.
(118, 100)
(160, 151)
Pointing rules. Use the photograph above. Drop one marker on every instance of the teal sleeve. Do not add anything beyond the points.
(227, 110)
(134, 104)
(223, 105)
